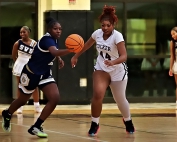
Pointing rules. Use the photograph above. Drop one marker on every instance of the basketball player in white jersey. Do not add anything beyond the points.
(110, 69)
(173, 56)
(21, 53)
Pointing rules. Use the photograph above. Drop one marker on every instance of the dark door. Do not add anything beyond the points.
(75, 85)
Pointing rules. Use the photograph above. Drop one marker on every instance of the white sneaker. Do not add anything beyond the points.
(37, 109)
(20, 110)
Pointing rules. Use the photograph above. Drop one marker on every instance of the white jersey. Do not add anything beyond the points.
(24, 54)
(174, 68)
(25, 51)
(107, 50)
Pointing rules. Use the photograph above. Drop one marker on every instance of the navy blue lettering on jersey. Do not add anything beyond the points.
(24, 48)
(41, 59)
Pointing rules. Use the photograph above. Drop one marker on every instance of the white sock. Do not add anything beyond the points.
(36, 103)
(127, 119)
(96, 120)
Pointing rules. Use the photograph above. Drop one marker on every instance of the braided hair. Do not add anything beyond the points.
(108, 13)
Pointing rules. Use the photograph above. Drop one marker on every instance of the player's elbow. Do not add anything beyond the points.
(14, 58)
(53, 50)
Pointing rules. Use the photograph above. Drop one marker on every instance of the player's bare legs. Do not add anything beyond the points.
(20, 101)
(175, 76)
(6, 114)
(19, 110)
(101, 81)
(35, 98)
(52, 94)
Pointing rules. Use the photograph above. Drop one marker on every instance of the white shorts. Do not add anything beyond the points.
(18, 66)
(116, 75)
(174, 68)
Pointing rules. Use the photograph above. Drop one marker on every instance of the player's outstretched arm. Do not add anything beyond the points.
(87, 45)
(58, 52)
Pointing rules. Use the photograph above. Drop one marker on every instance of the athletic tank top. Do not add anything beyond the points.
(25, 51)
(175, 47)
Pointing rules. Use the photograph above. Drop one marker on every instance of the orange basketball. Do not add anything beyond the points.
(74, 43)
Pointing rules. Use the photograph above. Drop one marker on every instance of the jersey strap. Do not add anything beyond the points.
(33, 43)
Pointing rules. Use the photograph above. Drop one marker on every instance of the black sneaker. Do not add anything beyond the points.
(6, 117)
(93, 129)
(129, 126)
(37, 131)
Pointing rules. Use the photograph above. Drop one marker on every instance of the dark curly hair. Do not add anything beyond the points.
(109, 14)
(50, 22)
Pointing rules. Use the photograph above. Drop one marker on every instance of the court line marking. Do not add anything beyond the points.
(67, 134)
(160, 133)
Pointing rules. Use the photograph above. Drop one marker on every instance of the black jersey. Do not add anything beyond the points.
(42, 59)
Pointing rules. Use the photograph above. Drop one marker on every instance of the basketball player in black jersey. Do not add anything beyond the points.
(37, 73)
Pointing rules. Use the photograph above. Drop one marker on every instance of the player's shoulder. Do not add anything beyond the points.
(33, 40)
(98, 31)
(19, 41)
(46, 37)
(117, 33)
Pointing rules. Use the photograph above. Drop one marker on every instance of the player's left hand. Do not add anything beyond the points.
(170, 72)
(108, 63)
(73, 61)
(60, 63)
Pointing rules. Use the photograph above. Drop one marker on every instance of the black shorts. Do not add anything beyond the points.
(29, 81)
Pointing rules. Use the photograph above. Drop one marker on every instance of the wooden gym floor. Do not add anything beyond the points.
(153, 123)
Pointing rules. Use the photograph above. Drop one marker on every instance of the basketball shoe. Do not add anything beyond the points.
(6, 117)
(129, 126)
(93, 129)
(37, 131)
